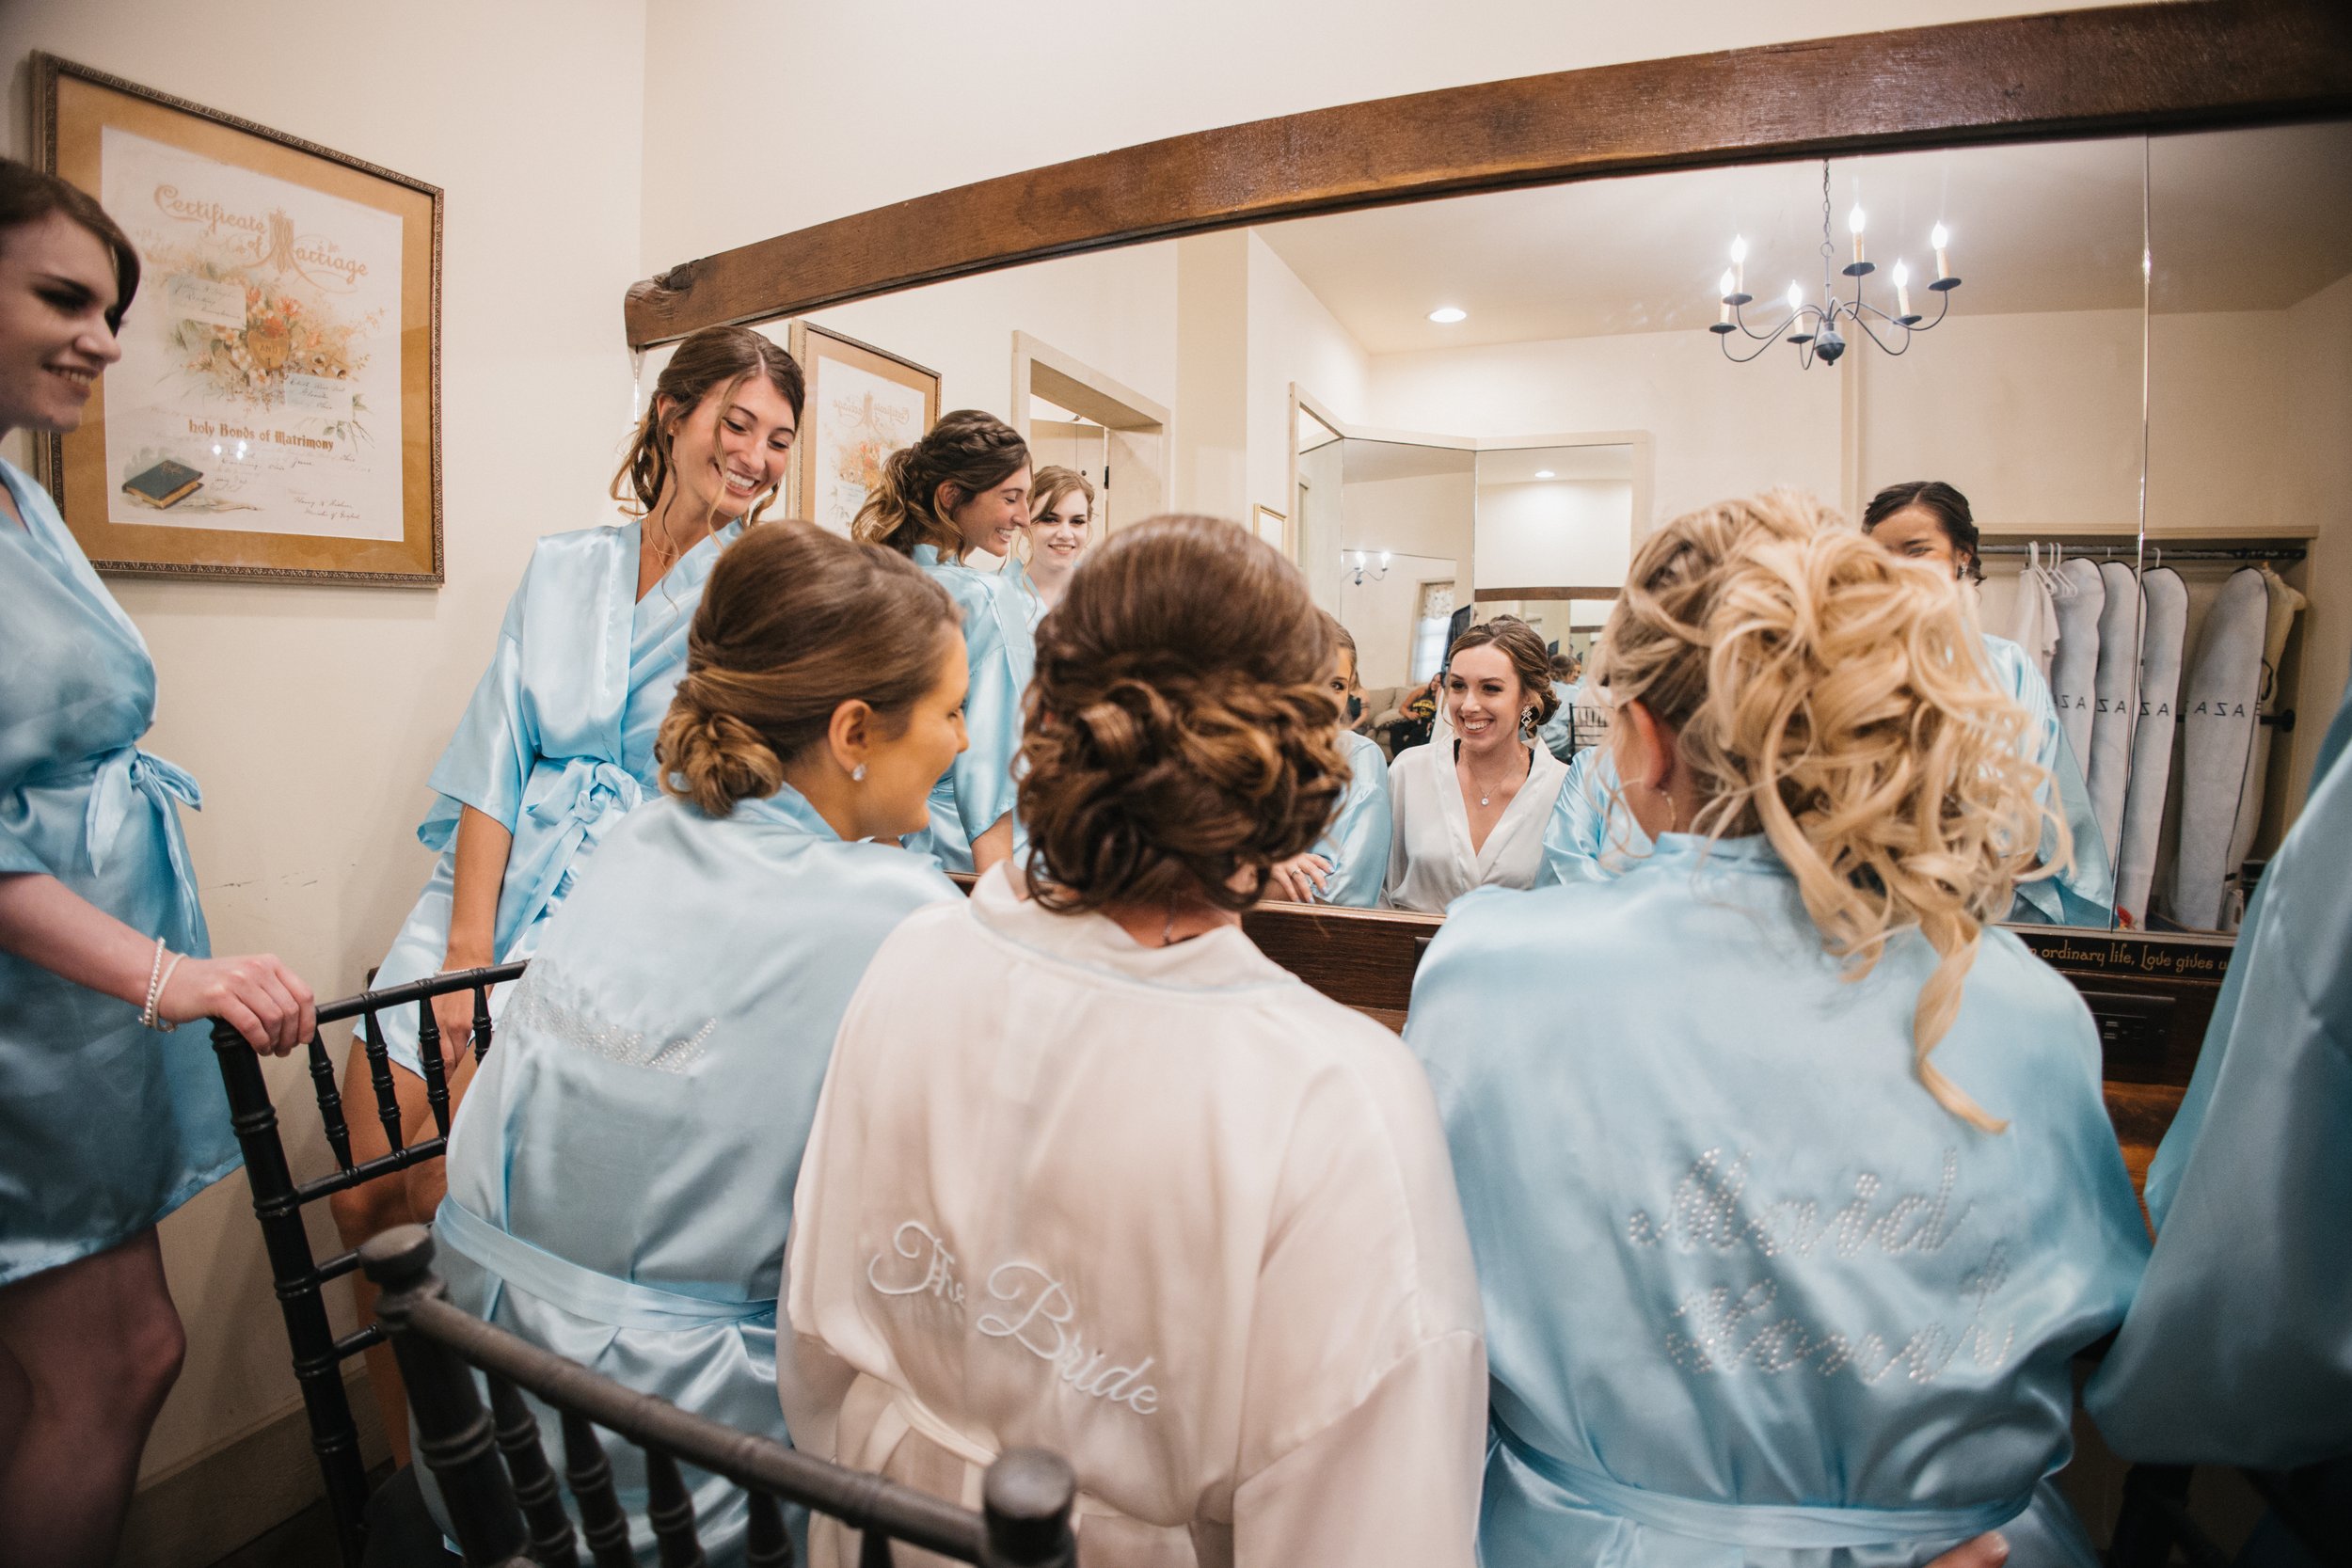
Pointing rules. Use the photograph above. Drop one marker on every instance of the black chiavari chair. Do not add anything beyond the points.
(503, 1495)
(2313, 1505)
(278, 1201)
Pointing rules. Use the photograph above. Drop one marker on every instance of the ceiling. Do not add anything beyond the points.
(2237, 220)
(1364, 462)
(1557, 464)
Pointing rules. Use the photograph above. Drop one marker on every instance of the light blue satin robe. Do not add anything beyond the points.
(1032, 602)
(105, 1126)
(1592, 835)
(1356, 843)
(1558, 733)
(1753, 1296)
(2239, 1347)
(2085, 894)
(977, 790)
(621, 1172)
(556, 744)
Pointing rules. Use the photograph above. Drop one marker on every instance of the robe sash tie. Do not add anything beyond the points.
(1790, 1526)
(570, 802)
(119, 778)
(582, 1291)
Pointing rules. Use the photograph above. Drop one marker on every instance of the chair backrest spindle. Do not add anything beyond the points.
(766, 1544)
(589, 1475)
(671, 1512)
(553, 1544)
(330, 1101)
(455, 1432)
(429, 1058)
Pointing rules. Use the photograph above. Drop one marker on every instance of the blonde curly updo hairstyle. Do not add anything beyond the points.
(1178, 739)
(967, 451)
(794, 622)
(1837, 699)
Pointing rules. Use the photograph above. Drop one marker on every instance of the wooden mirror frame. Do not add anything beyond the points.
(2168, 65)
(2163, 66)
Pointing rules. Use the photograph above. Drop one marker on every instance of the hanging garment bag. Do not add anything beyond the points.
(2033, 619)
(2074, 671)
(2164, 625)
(2111, 712)
(2284, 605)
(2219, 711)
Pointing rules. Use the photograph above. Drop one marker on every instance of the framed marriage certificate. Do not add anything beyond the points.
(276, 413)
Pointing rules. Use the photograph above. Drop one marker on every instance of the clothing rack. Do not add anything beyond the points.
(2159, 552)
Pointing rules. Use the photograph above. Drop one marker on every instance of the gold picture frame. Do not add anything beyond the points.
(863, 402)
(277, 412)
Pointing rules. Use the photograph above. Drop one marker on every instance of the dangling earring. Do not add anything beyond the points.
(1527, 717)
(857, 774)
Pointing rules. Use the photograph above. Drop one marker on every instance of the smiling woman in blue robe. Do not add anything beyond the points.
(1791, 1217)
(620, 1178)
(1928, 520)
(106, 1125)
(1350, 861)
(964, 487)
(557, 744)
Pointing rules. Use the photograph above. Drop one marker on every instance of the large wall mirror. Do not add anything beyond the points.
(2132, 354)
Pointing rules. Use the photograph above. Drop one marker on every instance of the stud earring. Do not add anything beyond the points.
(857, 774)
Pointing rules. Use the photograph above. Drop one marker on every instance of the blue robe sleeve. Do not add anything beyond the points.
(490, 757)
(2238, 1349)
(1590, 837)
(1559, 731)
(2084, 894)
(1002, 656)
(1358, 844)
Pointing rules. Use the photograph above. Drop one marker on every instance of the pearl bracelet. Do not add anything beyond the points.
(158, 977)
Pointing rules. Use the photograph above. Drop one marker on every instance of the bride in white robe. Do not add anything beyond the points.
(1091, 1173)
(1470, 808)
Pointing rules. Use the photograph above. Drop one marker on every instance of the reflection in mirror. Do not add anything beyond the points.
(2248, 583)
(1301, 375)
(2027, 400)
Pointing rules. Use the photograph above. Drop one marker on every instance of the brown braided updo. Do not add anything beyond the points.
(1178, 739)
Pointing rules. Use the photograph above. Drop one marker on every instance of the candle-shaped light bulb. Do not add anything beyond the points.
(1384, 561)
(1940, 238)
(1796, 297)
(1739, 265)
(1724, 311)
(1902, 290)
(1853, 227)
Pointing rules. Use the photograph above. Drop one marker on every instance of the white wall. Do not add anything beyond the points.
(2315, 487)
(2037, 418)
(1114, 312)
(1718, 429)
(1419, 515)
(1379, 611)
(313, 714)
(1555, 533)
(1292, 341)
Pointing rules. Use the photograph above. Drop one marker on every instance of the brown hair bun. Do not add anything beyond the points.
(1178, 732)
(794, 622)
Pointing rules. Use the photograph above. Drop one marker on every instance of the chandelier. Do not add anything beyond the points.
(1357, 565)
(1813, 328)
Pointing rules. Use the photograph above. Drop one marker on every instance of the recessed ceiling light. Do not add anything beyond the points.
(1447, 315)
(1543, 473)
